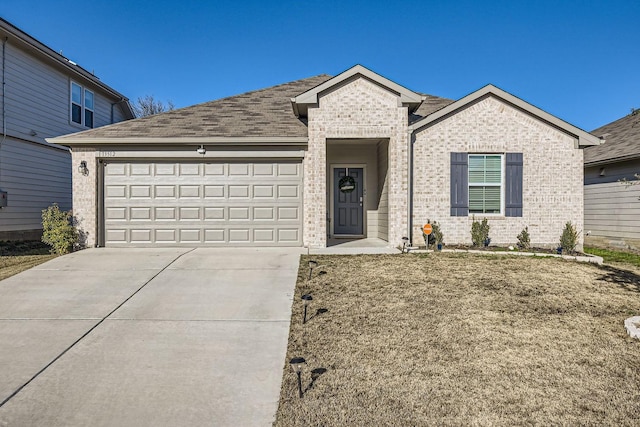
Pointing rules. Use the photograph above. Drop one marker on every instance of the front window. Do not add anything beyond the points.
(485, 183)
(82, 105)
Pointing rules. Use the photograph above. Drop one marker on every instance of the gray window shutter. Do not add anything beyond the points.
(459, 184)
(513, 185)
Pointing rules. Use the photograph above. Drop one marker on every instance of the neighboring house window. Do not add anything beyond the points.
(486, 184)
(82, 105)
(88, 108)
(76, 103)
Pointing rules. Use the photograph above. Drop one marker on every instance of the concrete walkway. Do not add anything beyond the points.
(146, 337)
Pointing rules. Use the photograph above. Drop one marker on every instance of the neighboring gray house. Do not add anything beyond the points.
(43, 95)
(351, 156)
(612, 209)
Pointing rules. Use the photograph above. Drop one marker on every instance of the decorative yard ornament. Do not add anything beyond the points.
(347, 184)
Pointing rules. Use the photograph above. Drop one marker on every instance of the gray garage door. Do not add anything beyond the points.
(203, 204)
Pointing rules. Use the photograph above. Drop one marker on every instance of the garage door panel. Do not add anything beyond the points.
(214, 203)
(165, 214)
(214, 191)
(239, 235)
(189, 191)
(239, 191)
(214, 235)
(140, 169)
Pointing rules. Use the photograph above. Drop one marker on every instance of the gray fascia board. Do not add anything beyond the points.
(311, 96)
(612, 160)
(57, 58)
(243, 140)
(584, 137)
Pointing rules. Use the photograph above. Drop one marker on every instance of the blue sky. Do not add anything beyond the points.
(579, 60)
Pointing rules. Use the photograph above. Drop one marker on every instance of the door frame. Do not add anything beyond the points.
(331, 231)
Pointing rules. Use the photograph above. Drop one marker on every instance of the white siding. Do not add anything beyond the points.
(35, 176)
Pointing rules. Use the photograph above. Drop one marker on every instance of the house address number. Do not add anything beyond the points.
(107, 153)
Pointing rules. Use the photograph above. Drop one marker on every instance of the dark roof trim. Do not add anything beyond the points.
(60, 60)
(613, 160)
(301, 102)
(584, 138)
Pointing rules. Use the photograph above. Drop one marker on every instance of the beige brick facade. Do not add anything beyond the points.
(85, 200)
(358, 109)
(552, 173)
(362, 120)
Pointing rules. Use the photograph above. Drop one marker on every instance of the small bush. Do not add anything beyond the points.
(569, 238)
(436, 232)
(480, 233)
(524, 240)
(58, 230)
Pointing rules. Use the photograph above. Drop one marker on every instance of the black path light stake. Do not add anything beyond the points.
(296, 364)
(312, 264)
(405, 244)
(306, 300)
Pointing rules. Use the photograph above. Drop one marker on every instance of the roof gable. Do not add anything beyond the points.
(584, 138)
(407, 97)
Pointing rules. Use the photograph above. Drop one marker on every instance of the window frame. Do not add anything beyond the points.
(501, 185)
(82, 105)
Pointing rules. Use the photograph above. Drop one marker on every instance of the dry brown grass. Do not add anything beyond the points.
(11, 265)
(16, 257)
(463, 340)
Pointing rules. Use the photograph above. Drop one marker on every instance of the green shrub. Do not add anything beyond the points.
(58, 230)
(480, 232)
(569, 238)
(524, 240)
(436, 232)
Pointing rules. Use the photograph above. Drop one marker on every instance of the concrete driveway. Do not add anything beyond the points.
(146, 337)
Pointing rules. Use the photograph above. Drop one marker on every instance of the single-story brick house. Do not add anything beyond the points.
(355, 155)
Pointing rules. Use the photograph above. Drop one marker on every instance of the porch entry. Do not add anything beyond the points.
(348, 184)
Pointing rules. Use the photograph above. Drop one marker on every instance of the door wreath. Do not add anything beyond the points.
(347, 184)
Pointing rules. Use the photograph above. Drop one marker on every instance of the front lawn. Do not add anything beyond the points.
(19, 256)
(462, 339)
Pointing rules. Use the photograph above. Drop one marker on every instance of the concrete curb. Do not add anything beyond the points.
(593, 259)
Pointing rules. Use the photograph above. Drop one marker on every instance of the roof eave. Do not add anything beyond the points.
(612, 160)
(217, 140)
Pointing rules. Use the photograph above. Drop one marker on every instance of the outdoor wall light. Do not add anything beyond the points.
(296, 364)
(201, 150)
(306, 300)
(405, 244)
(312, 265)
(83, 169)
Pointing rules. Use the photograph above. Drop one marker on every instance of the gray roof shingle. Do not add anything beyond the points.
(622, 141)
(261, 113)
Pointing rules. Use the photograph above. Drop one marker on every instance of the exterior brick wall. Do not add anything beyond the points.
(357, 109)
(85, 199)
(552, 173)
